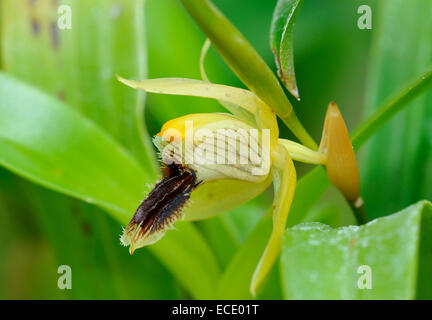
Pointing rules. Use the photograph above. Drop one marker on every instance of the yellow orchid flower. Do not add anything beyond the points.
(222, 160)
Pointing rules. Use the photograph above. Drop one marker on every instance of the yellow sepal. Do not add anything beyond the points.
(284, 181)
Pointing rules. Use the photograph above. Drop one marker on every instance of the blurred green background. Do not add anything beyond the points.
(334, 60)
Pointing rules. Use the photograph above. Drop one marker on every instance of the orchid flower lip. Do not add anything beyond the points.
(165, 203)
(161, 208)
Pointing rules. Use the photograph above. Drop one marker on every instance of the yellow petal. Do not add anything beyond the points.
(243, 98)
(284, 181)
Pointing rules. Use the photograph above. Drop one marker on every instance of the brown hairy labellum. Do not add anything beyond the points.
(161, 208)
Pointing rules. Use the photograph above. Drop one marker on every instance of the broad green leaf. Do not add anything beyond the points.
(82, 161)
(392, 248)
(79, 160)
(282, 41)
(396, 167)
(79, 64)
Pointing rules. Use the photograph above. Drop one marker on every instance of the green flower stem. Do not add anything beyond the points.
(390, 108)
(359, 213)
(246, 63)
(301, 153)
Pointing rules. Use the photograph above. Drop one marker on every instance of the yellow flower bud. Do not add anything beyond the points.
(340, 158)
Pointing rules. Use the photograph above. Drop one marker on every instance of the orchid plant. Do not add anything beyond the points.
(71, 129)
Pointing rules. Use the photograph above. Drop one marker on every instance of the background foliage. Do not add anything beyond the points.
(41, 229)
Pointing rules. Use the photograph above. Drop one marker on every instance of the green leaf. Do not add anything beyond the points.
(393, 247)
(282, 41)
(396, 168)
